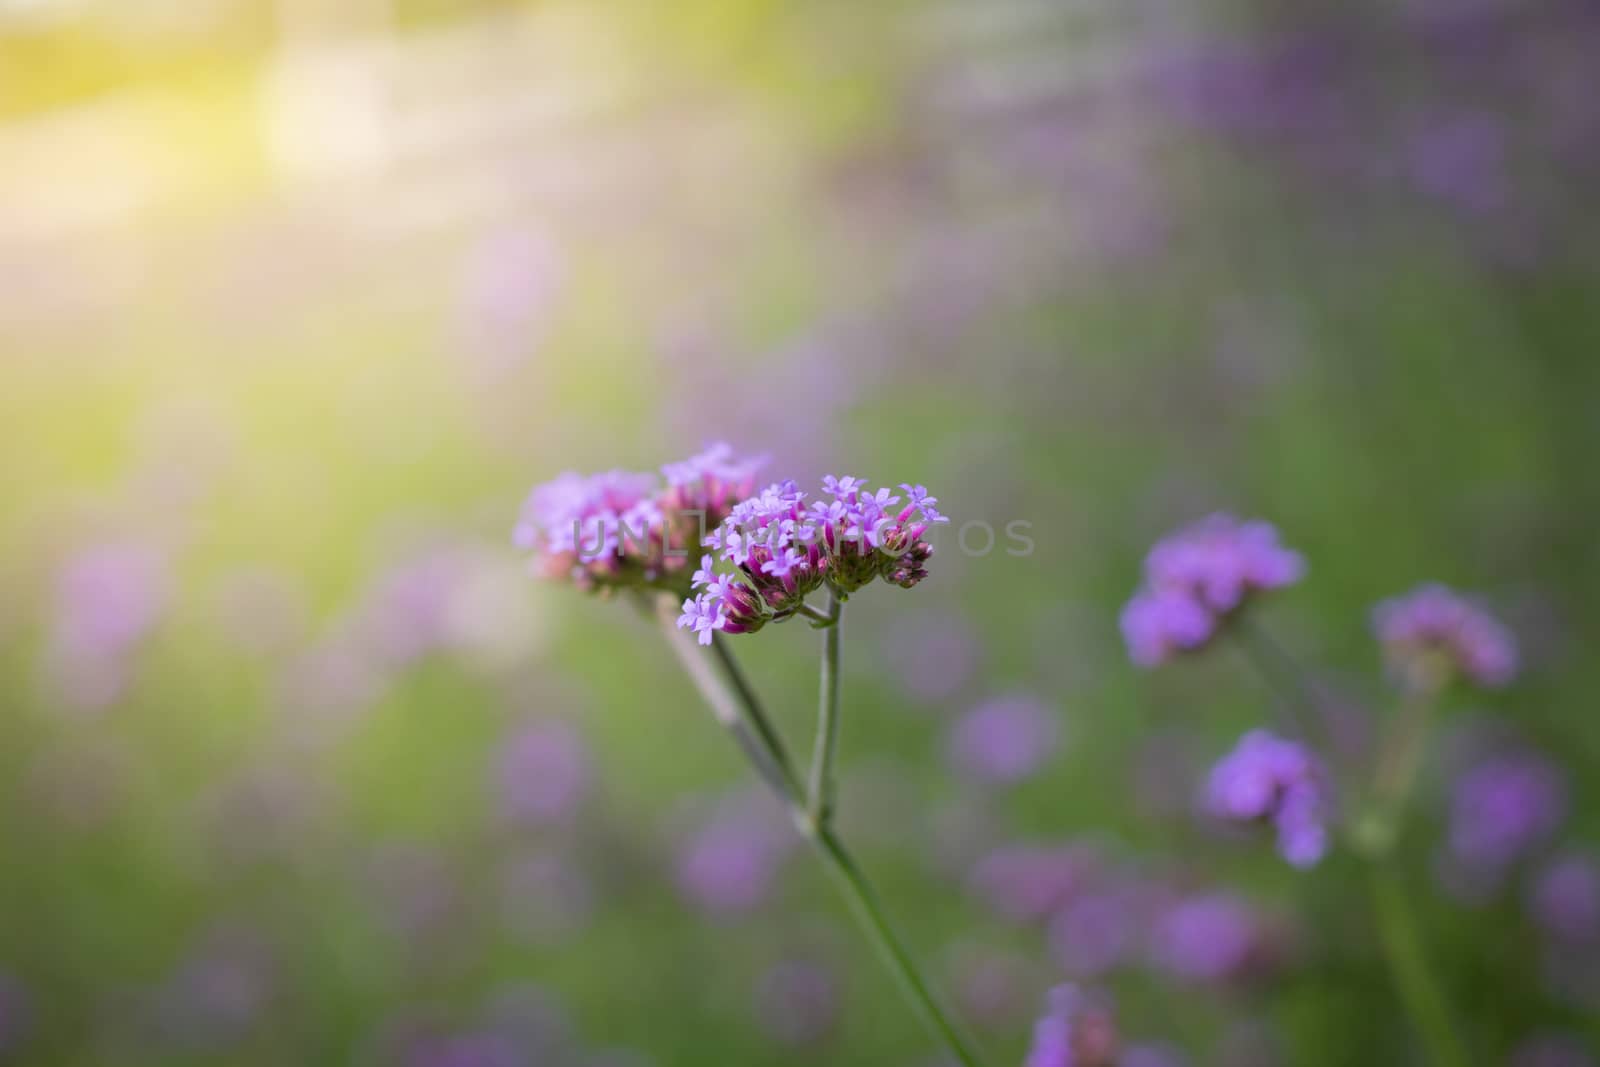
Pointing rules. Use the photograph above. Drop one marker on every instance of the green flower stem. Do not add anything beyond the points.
(734, 703)
(1374, 836)
(820, 796)
(1413, 978)
(1283, 675)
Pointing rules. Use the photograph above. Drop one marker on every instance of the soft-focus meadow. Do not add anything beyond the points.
(299, 299)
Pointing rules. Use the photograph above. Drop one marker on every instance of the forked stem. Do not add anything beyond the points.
(734, 703)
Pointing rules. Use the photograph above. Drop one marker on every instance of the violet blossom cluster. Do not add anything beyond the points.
(1077, 1030)
(624, 529)
(1272, 780)
(784, 548)
(1432, 634)
(1197, 578)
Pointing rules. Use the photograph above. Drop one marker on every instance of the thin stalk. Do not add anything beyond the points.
(1284, 677)
(759, 738)
(1414, 980)
(1401, 757)
(734, 705)
(820, 795)
(869, 912)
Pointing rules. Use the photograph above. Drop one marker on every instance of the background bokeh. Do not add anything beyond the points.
(297, 299)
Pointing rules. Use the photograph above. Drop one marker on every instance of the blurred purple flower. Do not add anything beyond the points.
(260, 611)
(993, 987)
(1005, 740)
(1565, 899)
(1504, 806)
(508, 284)
(1213, 937)
(16, 1014)
(546, 898)
(1153, 1055)
(729, 863)
(797, 1002)
(1198, 576)
(542, 773)
(1029, 883)
(1461, 161)
(1431, 633)
(107, 599)
(218, 993)
(1551, 1050)
(1268, 779)
(1077, 1030)
(1096, 931)
(933, 657)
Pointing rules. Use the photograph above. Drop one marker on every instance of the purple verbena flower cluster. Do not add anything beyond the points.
(1432, 634)
(622, 528)
(1196, 578)
(1077, 1030)
(1269, 779)
(784, 548)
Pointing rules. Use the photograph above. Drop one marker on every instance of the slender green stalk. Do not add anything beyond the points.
(759, 738)
(820, 796)
(1414, 980)
(1374, 835)
(735, 707)
(869, 911)
(1401, 757)
(1297, 702)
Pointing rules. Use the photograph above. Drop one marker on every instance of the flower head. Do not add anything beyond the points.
(1213, 937)
(1502, 807)
(1269, 779)
(1432, 634)
(1196, 578)
(1565, 899)
(1077, 1030)
(623, 528)
(784, 546)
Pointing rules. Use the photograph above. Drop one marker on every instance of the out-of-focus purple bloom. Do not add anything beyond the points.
(260, 611)
(992, 987)
(1004, 741)
(1197, 577)
(1551, 1050)
(407, 612)
(1077, 1030)
(1269, 779)
(547, 898)
(107, 599)
(797, 1002)
(219, 993)
(1219, 560)
(622, 528)
(1461, 162)
(1158, 624)
(508, 284)
(729, 863)
(465, 1050)
(1096, 931)
(1153, 1055)
(1565, 899)
(1213, 937)
(1504, 806)
(415, 891)
(543, 772)
(1029, 883)
(933, 657)
(1431, 634)
(16, 1014)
